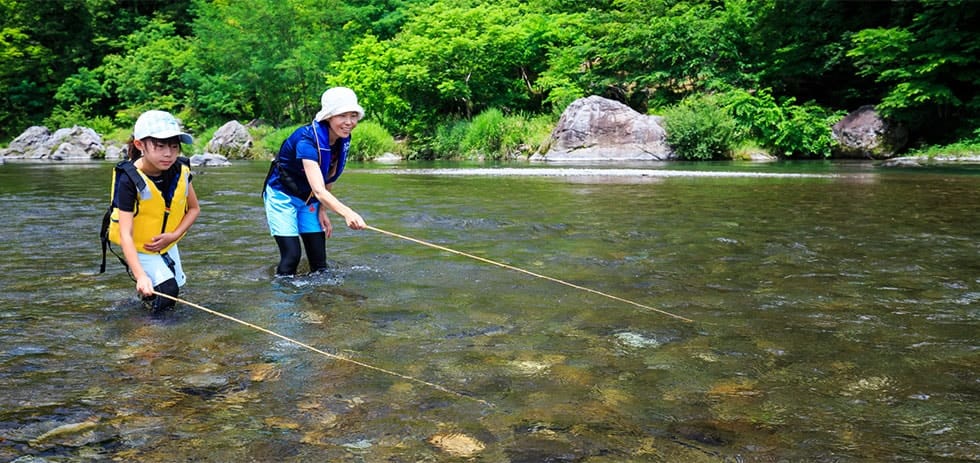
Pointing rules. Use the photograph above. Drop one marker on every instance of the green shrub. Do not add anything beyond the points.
(61, 118)
(783, 127)
(119, 135)
(959, 149)
(259, 133)
(447, 142)
(537, 132)
(270, 143)
(486, 135)
(201, 139)
(744, 150)
(489, 136)
(494, 136)
(699, 128)
(370, 140)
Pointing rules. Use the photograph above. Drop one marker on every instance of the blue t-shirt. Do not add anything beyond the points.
(311, 142)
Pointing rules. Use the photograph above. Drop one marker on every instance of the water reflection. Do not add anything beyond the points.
(835, 320)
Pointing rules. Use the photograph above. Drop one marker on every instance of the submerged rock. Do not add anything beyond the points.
(66, 431)
(457, 444)
(209, 159)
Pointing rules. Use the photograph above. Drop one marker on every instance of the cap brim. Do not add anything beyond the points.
(184, 137)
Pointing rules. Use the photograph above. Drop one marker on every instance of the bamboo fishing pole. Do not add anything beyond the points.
(324, 353)
(528, 272)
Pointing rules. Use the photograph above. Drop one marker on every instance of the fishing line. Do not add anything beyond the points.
(538, 275)
(327, 354)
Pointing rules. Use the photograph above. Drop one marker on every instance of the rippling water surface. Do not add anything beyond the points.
(835, 316)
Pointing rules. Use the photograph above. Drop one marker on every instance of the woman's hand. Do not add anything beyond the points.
(325, 221)
(354, 221)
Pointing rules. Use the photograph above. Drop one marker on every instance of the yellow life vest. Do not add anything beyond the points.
(153, 214)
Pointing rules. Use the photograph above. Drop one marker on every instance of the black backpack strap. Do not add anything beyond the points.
(272, 165)
(126, 168)
(104, 236)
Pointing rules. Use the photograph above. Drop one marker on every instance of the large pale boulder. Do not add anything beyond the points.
(600, 129)
(67, 144)
(865, 134)
(116, 152)
(27, 144)
(232, 141)
(77, 144)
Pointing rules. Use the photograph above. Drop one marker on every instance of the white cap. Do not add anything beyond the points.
(161, 125)
(338, 100)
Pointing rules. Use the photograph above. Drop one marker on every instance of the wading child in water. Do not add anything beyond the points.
(153, 206)
(297, 189)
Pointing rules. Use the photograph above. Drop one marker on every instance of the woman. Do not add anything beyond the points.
(153, 206)
(298, 187)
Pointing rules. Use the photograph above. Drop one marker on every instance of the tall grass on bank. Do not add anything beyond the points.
(491, 135)
(955, 150)
(368, 141)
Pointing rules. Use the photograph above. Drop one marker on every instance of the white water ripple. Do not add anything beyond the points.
(580, 172)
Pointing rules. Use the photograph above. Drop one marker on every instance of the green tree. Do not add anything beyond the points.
(40, 43)
(380, 18)
(800, 48)
(930, 68)
(149, 73)
(655, 52)
(451, 59)
(266, 58)
(49, 51)
(19, 88)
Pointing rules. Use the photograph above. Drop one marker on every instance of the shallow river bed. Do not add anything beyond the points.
(833, 315)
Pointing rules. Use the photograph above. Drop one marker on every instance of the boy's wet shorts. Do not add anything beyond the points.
(158, 269)
(288, 215)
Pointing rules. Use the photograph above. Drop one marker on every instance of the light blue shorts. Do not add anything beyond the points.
(288, 215)
(156, 267)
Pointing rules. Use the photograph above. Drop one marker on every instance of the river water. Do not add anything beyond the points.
(833, 311)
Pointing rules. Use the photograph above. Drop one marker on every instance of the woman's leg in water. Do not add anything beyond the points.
(289, 254)
(316, 250)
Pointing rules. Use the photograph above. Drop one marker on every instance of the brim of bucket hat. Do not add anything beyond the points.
(327, 114)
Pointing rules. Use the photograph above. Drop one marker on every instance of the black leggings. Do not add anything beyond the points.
(168, 287)
(161, 304)
(290, 252)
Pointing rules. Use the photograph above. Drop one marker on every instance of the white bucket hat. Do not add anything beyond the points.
(159, 124)
(338, 100)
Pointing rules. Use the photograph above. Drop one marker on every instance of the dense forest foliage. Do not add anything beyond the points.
(456, 77)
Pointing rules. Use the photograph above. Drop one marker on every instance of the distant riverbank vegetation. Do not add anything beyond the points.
(472, 79)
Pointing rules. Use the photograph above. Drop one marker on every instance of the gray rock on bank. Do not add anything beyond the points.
(600, 129)
(232, 140)
(78, 143)
(864, 134)
(69, 144)
(591, 129)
